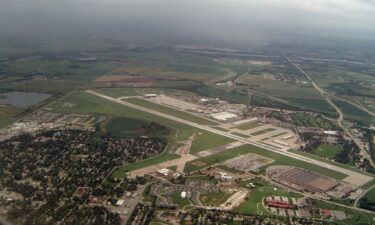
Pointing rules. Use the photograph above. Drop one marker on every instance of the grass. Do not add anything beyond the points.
(214, 198)
(353, 216)
(262, 131)
(176, 198)
(368, 200)
(248, 126)
(227, 169)
(308, 120)
(49, 86)
(262, 190)
(241, 135)
(7, 115)
(123, 126)
(118, 92)
(121, 171)
(170, 111)
(327, 151)
(191, 68)
(278, 160)
(277, 135)
(204, 140)
(351, 111)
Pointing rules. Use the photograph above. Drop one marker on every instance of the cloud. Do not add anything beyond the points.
(211, 21)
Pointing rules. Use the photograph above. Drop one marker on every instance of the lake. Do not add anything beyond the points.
(22, 99)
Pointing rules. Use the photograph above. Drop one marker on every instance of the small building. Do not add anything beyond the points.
(120, 202)
(183, 194)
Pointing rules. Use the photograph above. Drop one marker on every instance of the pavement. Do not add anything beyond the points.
(354, 178)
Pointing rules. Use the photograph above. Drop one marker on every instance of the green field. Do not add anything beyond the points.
(262, 131)
(241, 135)
(352, 112)
(122, 126)
(253, 205)
(248, 126)
(118, 92)
(121, 171)
(368, 201)
(176, 198)
(61, 69)
(7, 115)
(278, 160)
(327, 151)
(204, 140)
(301, 119)
(191, 68)
(214, 198)
(170, 111)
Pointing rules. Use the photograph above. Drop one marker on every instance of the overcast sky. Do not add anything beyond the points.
(232, 22)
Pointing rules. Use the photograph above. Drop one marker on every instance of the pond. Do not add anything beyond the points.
(22, 99)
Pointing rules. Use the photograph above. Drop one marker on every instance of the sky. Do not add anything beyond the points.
(242, 23)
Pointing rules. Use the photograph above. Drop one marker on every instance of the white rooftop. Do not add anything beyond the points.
(223, 115)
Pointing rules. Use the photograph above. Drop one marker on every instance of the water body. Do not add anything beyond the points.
(22, 99)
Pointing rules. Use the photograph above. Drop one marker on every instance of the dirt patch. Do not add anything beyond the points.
(198, 163)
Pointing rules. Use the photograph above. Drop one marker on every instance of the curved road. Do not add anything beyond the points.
(338, 110)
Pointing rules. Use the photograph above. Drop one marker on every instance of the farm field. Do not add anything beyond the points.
(353, 112)
(278, 160)
(279, 88)
(61, 69)
(170, 111)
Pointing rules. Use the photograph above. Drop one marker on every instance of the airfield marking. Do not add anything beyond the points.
(354, 178)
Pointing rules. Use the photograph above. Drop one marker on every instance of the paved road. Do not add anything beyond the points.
(338, 110)
(354, 178)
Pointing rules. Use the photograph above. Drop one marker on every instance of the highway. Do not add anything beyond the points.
(355, 178)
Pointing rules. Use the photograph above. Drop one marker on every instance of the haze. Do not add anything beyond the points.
(241, 23)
